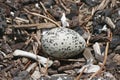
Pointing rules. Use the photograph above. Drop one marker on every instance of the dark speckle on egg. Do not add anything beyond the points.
(62, 43)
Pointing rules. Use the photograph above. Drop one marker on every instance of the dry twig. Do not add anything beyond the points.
(105, 58)
(46, 68)
(103, 4)
(46, 12)
(36, 14)
(37, 25)
(43, 6)
(104, 61)
(74, 60)
(21, 19)
(44, 61)
(88, 39)
(65, 8)
(78, 77)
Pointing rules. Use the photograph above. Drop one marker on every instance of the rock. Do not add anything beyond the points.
(117, 49)
(24, 75)
(116, 58)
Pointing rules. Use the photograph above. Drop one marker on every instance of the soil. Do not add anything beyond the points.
(23, 22)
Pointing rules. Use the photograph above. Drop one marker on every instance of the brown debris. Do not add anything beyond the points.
(22, 23)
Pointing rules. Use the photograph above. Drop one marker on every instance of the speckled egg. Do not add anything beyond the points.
(62, 43)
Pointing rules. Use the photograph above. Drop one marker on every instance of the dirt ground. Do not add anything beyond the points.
(24, 22)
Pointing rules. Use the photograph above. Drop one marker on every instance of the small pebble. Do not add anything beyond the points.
(56, 64)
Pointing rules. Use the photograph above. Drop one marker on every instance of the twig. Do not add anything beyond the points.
(43, 7)
(88, 39)
(105, 56)
(46, 68)
(27, 64)
(8, 67)
(31, 67)
(78, 77)
(36, 14)
(65, 8)
(37, 39)
(41, 59)
(47, 13)
(74, 60)
(106, 53)
(29, 17)
(105, 59)
(21, 19)
(37, 25)
(103, 4)
(45, 10)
